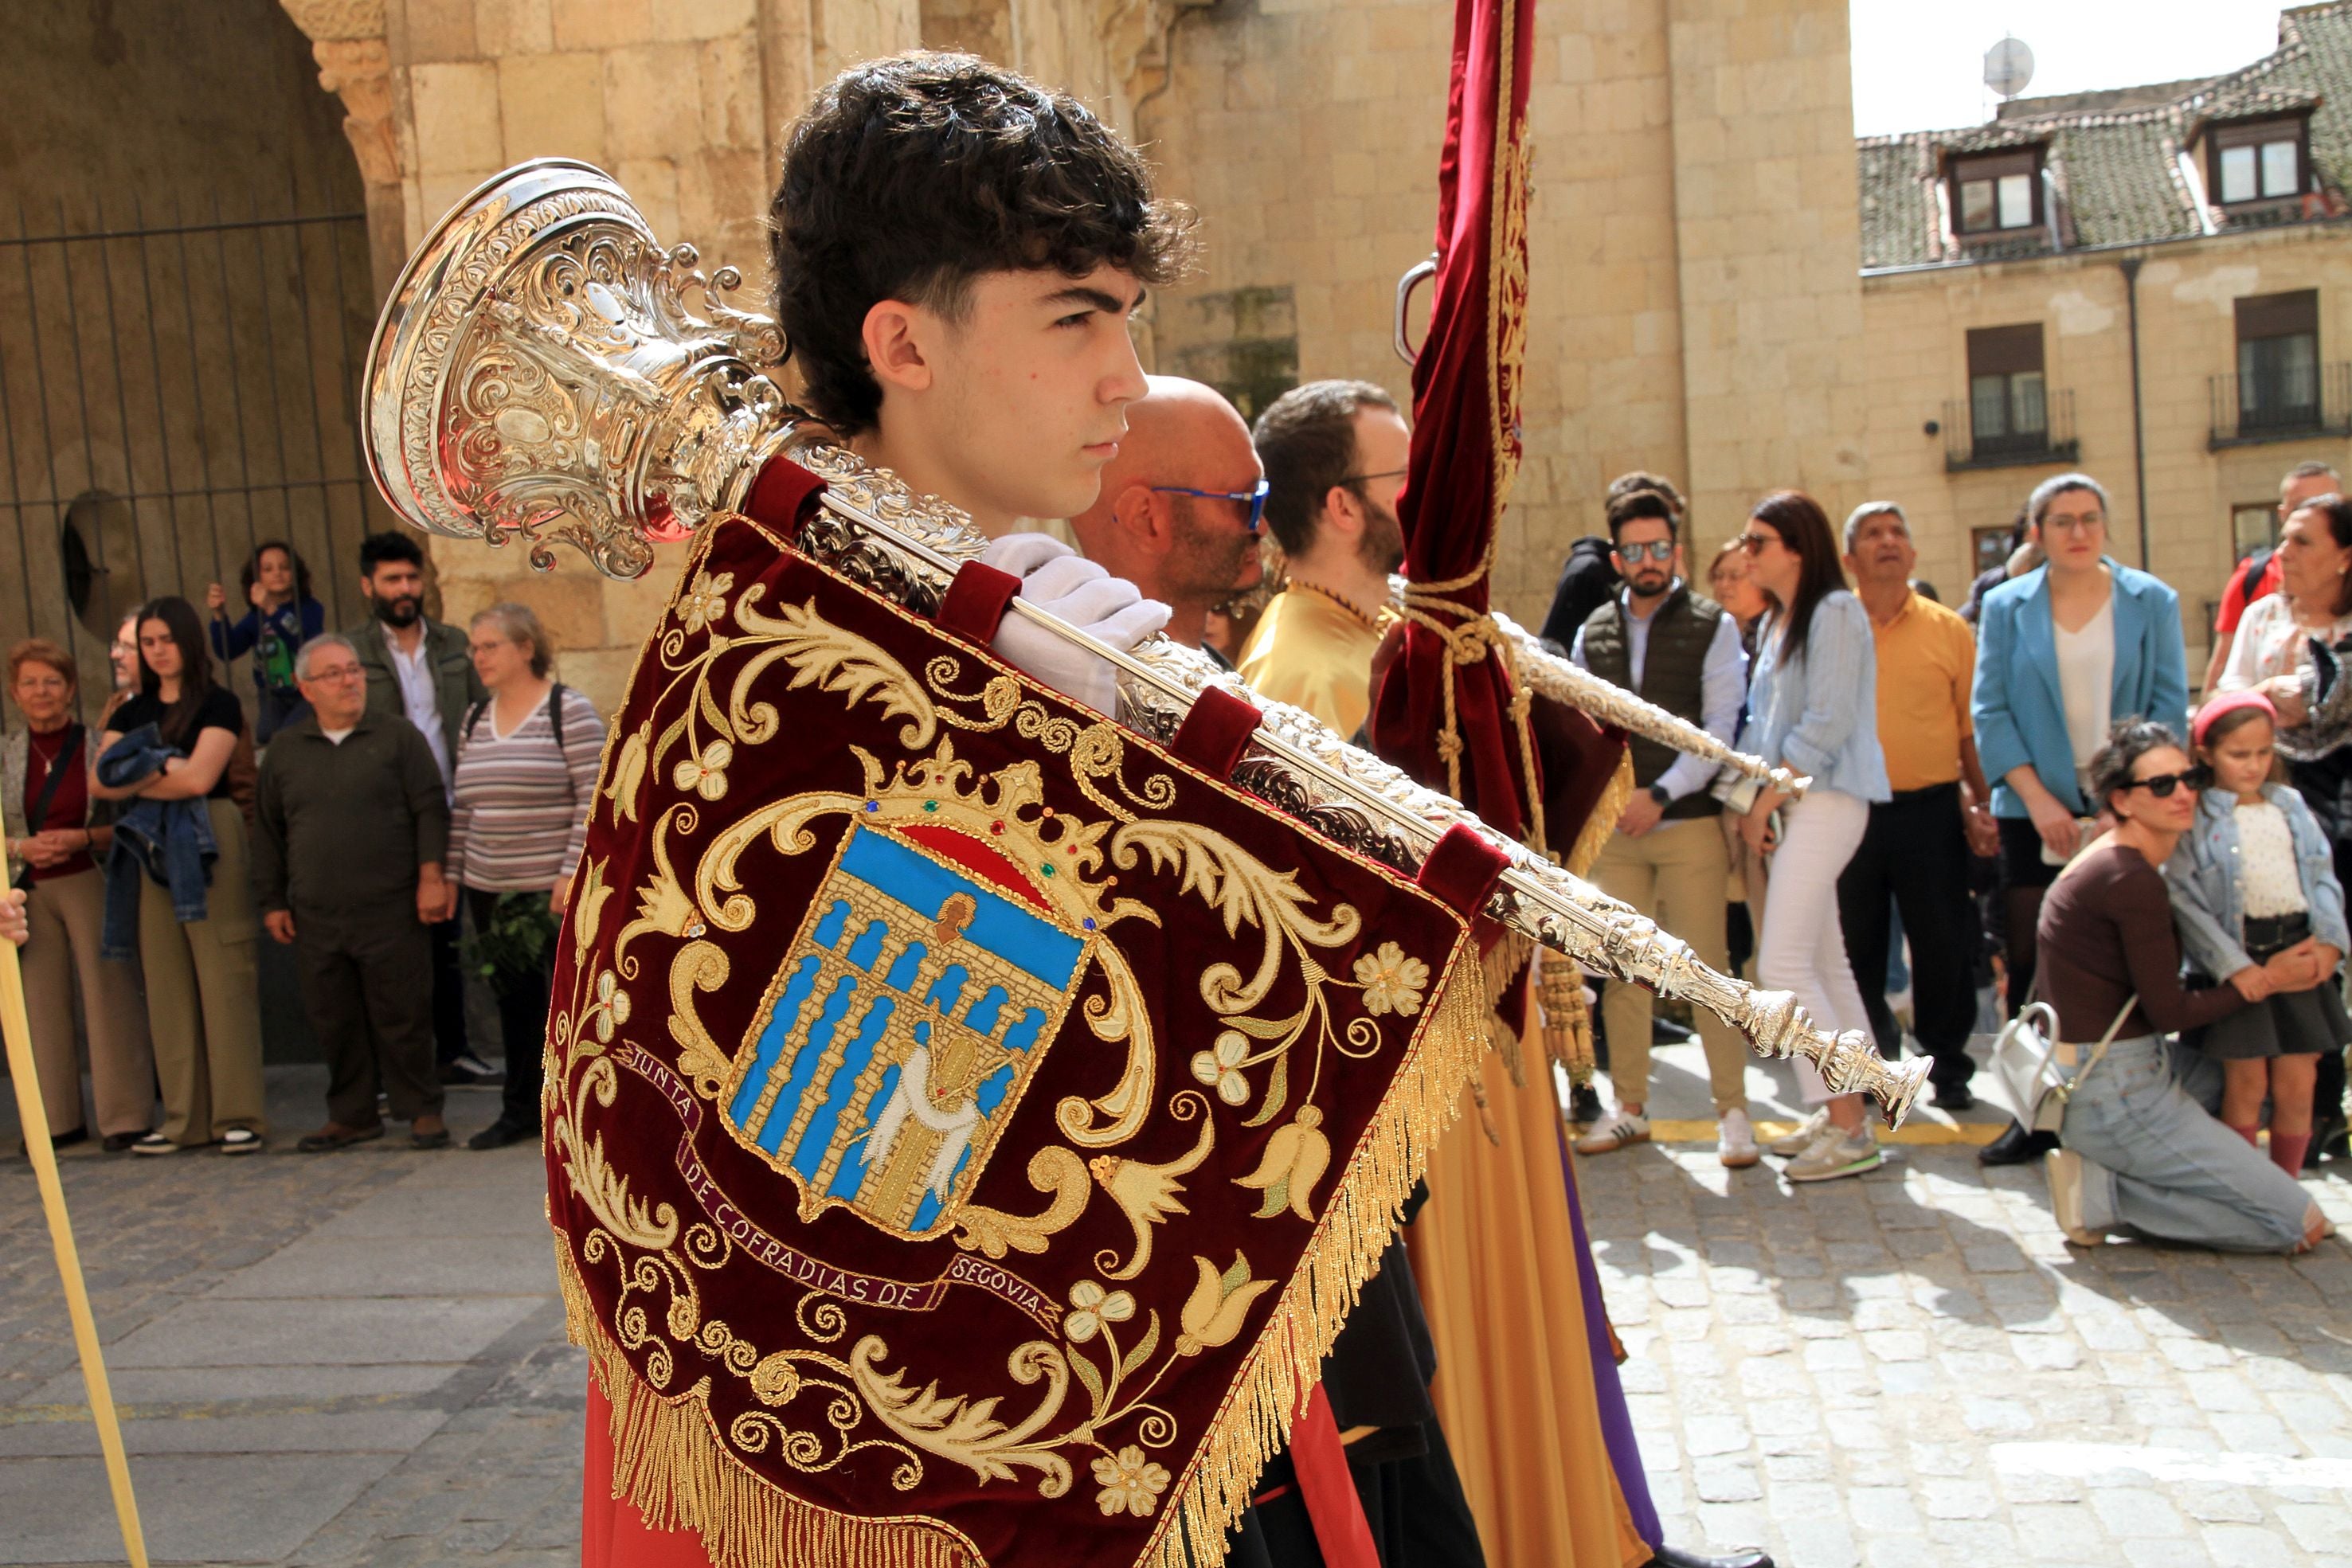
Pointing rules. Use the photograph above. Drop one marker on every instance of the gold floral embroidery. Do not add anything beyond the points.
(705, 600)
(706, 774)
(1391, 981)
(1129, 1481)
(1212, 1313)
(1220, 1067)
(1091, 1307)
(1294, 1160)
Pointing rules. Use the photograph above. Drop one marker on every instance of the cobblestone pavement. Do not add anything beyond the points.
(359, 1359)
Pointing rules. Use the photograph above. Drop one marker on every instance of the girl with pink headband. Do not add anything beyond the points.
(2254, 885)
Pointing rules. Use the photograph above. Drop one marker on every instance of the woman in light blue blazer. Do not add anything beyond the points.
(2064, 653)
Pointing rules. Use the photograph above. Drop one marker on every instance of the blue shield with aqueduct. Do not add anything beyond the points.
(908, 1018)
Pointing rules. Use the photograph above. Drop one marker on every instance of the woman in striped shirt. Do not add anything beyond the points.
(524, 780)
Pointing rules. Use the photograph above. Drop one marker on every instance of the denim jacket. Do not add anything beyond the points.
(1820, 714)
(169, 841)
(2208, 904)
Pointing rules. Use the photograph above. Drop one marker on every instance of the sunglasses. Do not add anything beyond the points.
(1754, 543)
(1253, 498)
(1659, 550)
(2162, 785)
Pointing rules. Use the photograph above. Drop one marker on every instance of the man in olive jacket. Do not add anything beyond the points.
(418, 668)
(350, 823)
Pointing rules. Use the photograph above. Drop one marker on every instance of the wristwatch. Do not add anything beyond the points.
(1658, 793)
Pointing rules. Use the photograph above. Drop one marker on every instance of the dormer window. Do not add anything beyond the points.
(2257, 160)
(1996, 192)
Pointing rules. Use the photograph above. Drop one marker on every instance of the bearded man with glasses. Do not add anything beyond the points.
(1669, 858)
(1334, 453)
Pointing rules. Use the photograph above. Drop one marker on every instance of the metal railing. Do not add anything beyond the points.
(2282, 407)
(1965, 446)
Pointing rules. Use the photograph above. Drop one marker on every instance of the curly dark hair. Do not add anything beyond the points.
(301, 568)
(909, 177)
(2127, 742)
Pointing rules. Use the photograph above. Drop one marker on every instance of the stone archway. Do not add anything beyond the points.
(347, 39)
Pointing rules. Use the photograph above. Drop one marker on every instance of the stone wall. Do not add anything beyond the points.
(1693, 298)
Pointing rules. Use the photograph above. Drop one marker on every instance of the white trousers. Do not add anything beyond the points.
(1802, 947)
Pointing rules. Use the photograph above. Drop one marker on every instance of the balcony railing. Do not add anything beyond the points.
(2288, 407)
(1965, 446)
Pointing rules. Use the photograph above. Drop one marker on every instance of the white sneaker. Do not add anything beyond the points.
(1789, 1145)
(1620, 1129)
(1836, 1153)
(2065, 1170)
(1736, 1141)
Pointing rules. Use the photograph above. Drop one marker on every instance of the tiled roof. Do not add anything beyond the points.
(2115, 158)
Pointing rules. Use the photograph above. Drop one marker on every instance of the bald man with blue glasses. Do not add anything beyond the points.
(1180, 505)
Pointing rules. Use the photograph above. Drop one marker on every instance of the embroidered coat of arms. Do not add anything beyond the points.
(968, 1122)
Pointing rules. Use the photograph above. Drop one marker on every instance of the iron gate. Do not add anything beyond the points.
(173, 391)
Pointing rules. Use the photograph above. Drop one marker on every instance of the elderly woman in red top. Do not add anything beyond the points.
(55, 840)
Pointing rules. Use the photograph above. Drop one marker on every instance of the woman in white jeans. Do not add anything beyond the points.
(1812, 696)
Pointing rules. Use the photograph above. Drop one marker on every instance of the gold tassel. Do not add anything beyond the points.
(670, 1466)
(1254, 1424)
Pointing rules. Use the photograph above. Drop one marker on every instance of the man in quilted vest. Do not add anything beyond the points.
(1669, 858)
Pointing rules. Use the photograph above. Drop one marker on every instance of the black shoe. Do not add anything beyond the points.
(2016, 1147)
(1666, 1031)
(116, 1143)
(501, 1132)
(68, 1140)
(1953, 1097)
(1584, 1104)
(1740, 1557)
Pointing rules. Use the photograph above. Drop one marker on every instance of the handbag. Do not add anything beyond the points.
(2024, 1064)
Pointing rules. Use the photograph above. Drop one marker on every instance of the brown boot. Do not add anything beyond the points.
(335, 1135)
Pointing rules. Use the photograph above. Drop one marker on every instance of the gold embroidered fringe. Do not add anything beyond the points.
(670, 1466)
(1254, 1424)
(669, 1463)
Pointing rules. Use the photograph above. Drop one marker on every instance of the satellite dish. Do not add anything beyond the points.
(2008, 67)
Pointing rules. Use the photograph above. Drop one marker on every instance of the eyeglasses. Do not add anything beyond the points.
(1754, 543)
(1255, 498)
(2067, 525)
(1383, 474)
(1659, 550)
(2162, 785)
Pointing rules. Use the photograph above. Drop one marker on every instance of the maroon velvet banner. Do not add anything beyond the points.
(968, 1122)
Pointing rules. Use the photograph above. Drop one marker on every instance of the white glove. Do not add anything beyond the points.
(1058, 580)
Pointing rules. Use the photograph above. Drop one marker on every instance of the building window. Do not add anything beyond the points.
(1996, 192)
(2278, 360)
(2009, 403)
(2252, 527)
(2262, 161)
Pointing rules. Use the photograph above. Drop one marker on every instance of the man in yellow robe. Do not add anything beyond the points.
(1335, 455)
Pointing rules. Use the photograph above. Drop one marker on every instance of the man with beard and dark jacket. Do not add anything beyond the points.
(419, 669)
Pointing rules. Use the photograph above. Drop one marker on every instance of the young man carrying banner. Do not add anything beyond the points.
(959, 252)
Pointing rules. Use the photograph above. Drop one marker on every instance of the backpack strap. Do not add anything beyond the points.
(473, 717)
(555, 713)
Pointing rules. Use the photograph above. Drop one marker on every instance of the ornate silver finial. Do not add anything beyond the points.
(546, 368)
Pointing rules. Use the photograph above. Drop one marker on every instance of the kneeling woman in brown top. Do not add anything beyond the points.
(2141, 1158)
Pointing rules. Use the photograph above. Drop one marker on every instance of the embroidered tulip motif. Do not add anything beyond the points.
(1129, 1482)
(629, 773)
(1091, 1308)
(1294, 1160)
(1391, 981)
(1212, 1313)
(1221, 1067)
(707, 775)
(705, 600)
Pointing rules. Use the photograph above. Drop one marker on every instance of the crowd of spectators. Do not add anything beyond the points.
(2008, 814)
(402, 779)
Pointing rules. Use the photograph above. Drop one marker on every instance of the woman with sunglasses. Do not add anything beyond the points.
(1816, 674)
(2137, 1155)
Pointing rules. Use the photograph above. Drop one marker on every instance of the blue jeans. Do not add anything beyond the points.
(2160, 1167)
